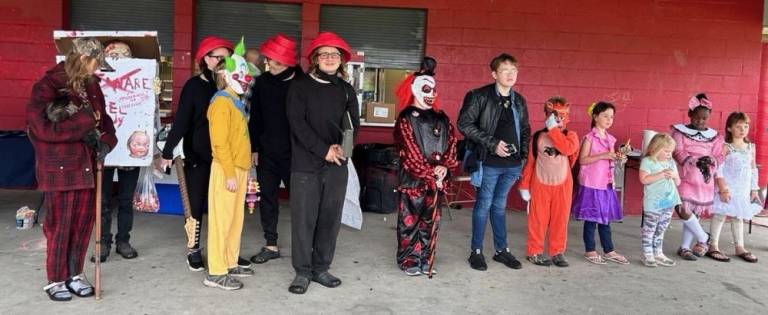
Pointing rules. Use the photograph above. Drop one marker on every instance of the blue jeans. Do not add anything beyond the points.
(492, 199)
(605, 236)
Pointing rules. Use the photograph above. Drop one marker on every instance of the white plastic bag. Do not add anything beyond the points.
(351, 214)
(145, 198)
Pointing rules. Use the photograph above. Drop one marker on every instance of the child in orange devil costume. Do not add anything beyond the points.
(547, 184)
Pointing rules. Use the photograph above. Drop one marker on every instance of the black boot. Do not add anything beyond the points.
(125, 250)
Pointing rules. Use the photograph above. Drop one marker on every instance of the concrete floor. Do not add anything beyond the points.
(158, 282)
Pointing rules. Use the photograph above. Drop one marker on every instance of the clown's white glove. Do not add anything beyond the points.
(525, 194)
(551, 122)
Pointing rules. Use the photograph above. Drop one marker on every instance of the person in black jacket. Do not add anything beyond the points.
(270, 135)
(317, 106)
(494, 121)
(191, 123)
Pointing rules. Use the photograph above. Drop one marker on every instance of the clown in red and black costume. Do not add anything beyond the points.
(427, 149)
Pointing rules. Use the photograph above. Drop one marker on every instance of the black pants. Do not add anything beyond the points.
(316, 204)
(197, 175)
(270, 172)
(126, 186)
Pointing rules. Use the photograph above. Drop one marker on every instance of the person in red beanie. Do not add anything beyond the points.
(270, 135)
(317, 105)
(190, 123)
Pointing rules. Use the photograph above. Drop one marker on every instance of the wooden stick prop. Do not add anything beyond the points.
(433, 234)
(97, 248)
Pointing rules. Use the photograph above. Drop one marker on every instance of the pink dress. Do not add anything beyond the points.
(696, 190)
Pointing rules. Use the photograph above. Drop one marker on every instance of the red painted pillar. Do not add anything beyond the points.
(183, 34)
(761, 132)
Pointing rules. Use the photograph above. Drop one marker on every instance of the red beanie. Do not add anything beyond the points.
(281, 49)
(210, 43)
(329, 39)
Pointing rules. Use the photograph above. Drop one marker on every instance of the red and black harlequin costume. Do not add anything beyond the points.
(547, 182)
(425, 140)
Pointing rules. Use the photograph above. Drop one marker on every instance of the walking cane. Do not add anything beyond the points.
(97, 249)
(433, 234)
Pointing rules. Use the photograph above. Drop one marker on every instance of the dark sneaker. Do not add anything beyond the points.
(79, 286)
(265, 255)
(105, 248)
(412, 271)
(477, 260)
(506, 258)
(539, 260)
(125, 250)
(57, 291)
(686, 254)
(224, 282)
(560, 261)
(242, 262)
(241, 272)
(195, 261)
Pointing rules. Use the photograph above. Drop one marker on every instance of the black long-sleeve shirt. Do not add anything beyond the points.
(268, 125)
(315, 114)
(191, 122)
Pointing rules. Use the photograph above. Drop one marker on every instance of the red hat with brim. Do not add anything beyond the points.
(280, 48)
(210, 43)
(330, 39)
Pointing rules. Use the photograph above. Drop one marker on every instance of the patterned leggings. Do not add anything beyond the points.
(656, 223)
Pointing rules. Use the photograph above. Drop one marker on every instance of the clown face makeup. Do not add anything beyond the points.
(424, 93)
(237, 71)
(561, 112)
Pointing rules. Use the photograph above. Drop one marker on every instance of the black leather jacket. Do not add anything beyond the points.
(478, 118)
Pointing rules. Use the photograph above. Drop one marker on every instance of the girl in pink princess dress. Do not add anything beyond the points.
(698, 153)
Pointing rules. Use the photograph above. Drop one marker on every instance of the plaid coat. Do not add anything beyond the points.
(62, 160)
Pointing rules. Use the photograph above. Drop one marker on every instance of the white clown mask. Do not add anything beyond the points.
(424, 93)
(237, 71)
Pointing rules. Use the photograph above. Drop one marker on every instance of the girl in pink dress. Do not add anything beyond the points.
(698, 153)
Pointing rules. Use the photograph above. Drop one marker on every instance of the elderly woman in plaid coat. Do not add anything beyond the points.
(69, 128)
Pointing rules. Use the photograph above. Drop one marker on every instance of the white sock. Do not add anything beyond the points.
(687, 237)
(694, 226)
(737, 228)
(715, 227)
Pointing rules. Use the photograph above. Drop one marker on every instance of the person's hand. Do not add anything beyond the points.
(551, 122)
(501, 149)
(441, 172)
(165, 164)
(525, 194)
(755, 196)
(610, 155)
(725, 195)
(255, 158)
(335, 154)
(667, 174)
(102, 151)
(706, 159)
(231, 184)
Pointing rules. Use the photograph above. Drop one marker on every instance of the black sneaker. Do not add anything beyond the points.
(477, 260)
(506, 258)
(560, 261)
(126, 250)
(105, 248)
(242, 262)
(540, 260)
(195, 261)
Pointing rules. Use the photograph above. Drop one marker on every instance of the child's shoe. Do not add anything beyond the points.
(663, 260)
(224, 282)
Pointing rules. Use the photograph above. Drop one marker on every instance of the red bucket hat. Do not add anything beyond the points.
(330, 39)
(210, 43)
(281, 49)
